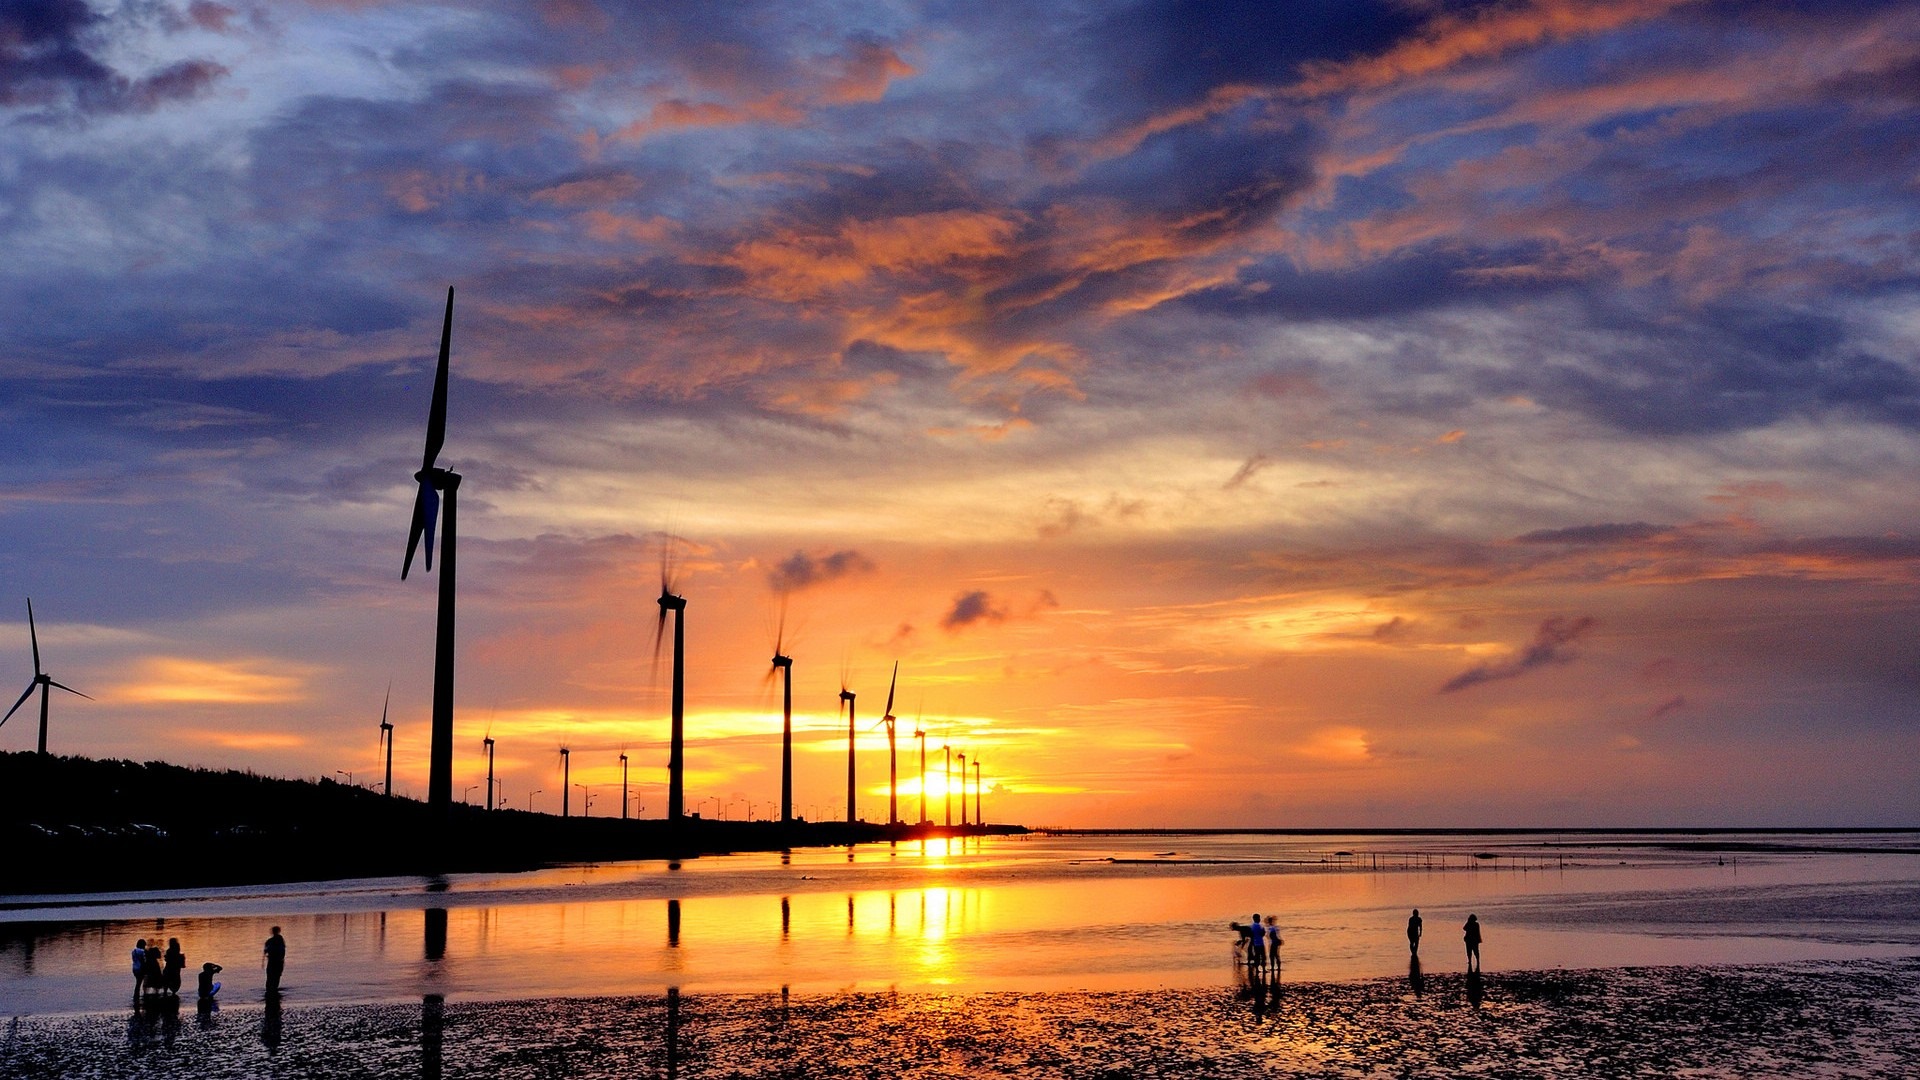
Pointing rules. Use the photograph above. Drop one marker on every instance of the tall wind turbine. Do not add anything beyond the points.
(783, 664)
(426, 511)
(963, 789)
(40, 679)
(846, 705)
(487, 744)
(623, 785)
(920, 733)
(386, 739)
(893, 758)
(566, 786)
(946, 780)
(676, 751)
(979, 815)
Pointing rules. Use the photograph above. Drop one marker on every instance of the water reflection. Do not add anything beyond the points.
(270, 1024)
(1476, 991)
(1415, 978)
(432, 1021)
(436, 934)
(673, 1032)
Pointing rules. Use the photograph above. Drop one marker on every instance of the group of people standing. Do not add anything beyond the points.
(1471, 930)
(1259, 942)
(157, 973)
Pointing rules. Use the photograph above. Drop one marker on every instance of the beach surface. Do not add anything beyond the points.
(1856, 1018)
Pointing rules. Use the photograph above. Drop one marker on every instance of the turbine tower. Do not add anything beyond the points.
(426, 511)
(963, 789)
(946, 781)
(979, 815)
(487, 742)
(386, 739)
(566, 787)
(676, 751)
(623, 785)
(893, 758)
(42, 680)
(846, 705)
(783, 664)
(921, 734)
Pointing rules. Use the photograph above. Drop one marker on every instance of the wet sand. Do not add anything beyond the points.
(1838, 1019)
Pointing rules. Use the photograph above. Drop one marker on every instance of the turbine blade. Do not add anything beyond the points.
(419, 526)
(22, 701)
(890, 682)
(659, 638)
(383, 705)
(68, 689)
(34, 636)
(437, 413)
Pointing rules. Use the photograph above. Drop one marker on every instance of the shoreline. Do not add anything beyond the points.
(1856, 1018)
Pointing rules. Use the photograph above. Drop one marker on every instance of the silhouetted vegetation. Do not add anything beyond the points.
(74, 823)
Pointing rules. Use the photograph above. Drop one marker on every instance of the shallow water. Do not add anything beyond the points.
(1037, 913)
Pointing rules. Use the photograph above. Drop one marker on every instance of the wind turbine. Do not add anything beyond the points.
(893, 759)
(623, 785)
(784, 664)
(846, 704)
(676, 752)
(386, 739)
(487, 742)
(40, 679)
(566, 788)
(946, 781)
(426, 510)
(979, 815)
(963, 789)
(921, 734)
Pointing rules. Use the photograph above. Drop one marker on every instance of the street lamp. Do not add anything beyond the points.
(464, 794)
(348, 773)
(586, 790)
(530, 796)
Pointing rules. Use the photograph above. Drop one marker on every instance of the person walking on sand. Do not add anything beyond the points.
(1414, 928)
(175, 961)
(1256, 944)
(1472, 929)
(152, 969)
(139, 966)
(1273, 944)
(275, 952)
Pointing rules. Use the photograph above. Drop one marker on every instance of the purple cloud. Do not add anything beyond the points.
(970, 608)
(1549, 647)
(801, 570)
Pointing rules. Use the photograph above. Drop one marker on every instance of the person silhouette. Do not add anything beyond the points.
(1415, 927)
(1256, 945)
(176, 961)
(1273, 945)
(139, 966)
(153, 971)
(275, 952)
(1472, 929)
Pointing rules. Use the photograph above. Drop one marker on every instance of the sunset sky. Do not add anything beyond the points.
(1280, 414)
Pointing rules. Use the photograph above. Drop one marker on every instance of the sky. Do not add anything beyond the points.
(1315, 414)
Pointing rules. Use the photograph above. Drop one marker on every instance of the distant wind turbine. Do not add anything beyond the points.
(946, 781)
(426, 511)
(386, 740)
(42, 680)
(623, 785)
(676, 752)
(487, 742)
(893, 758)
(783, 664)
(920, 733)
(963, 788)
(979, 815)
(846, 706)
(566, 787)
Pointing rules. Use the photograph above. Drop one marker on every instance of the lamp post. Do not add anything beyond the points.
(348, 773)
(467, 792)
(530, 796)
(586, 792)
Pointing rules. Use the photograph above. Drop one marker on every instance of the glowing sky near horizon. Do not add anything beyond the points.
(1283, 414)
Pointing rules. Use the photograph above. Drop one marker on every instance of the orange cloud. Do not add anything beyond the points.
(175, 680)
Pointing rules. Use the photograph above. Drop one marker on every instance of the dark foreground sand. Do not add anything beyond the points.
(1853, 1019)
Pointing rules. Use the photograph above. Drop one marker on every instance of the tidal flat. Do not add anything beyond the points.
(1851, 1018)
